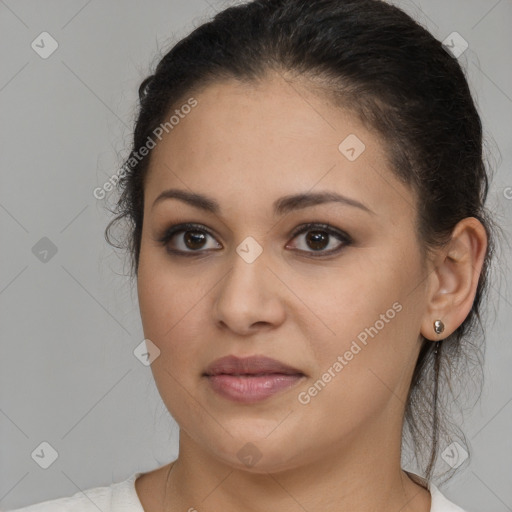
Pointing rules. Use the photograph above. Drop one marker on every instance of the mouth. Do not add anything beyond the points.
(249, 366)
(250, 379)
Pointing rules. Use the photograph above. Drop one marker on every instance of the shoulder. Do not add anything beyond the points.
(440, 503)
(120, 496)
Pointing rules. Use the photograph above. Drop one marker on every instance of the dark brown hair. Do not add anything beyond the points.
(374, 59)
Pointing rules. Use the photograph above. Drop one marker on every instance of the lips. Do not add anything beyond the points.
(251, 379)
(253, 365)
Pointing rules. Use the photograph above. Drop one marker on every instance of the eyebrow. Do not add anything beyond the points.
(281, 206)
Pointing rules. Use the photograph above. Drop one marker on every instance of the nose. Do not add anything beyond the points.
(249, 298)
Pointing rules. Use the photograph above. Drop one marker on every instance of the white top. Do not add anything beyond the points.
(122, 497)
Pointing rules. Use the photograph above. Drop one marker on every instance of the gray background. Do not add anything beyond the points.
(69, 325)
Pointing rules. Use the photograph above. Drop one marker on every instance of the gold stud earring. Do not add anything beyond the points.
(438, 327)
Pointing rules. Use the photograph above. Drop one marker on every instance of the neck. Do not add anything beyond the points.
(344, 478)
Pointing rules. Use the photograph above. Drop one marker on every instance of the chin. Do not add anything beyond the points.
(266, 464)
(259, 455)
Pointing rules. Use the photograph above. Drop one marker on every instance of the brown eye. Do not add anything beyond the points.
(321, 239)
(187, 238)
(317, 240)
(194, 239)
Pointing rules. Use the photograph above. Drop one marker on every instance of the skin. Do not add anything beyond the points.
(246, 146)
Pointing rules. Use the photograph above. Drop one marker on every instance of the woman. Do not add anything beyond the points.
(308, 233)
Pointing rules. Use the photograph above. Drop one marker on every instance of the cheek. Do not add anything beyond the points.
(346, 300)
(369, 321)
(166, 293)
(172, 302)
(168, 303)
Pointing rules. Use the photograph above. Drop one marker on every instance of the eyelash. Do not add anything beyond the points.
(304, 228)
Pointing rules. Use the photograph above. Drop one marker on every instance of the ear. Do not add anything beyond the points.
(454, 279)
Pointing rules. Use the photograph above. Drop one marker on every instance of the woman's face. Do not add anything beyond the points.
(346, 314)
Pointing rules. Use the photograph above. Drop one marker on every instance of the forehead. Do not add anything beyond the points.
(255, 142)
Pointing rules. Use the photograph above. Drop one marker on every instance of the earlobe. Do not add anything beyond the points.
(455, 277)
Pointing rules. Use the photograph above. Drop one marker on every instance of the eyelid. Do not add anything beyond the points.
(177, 228)
(332, 231)
(321, 226)
(181, 227)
